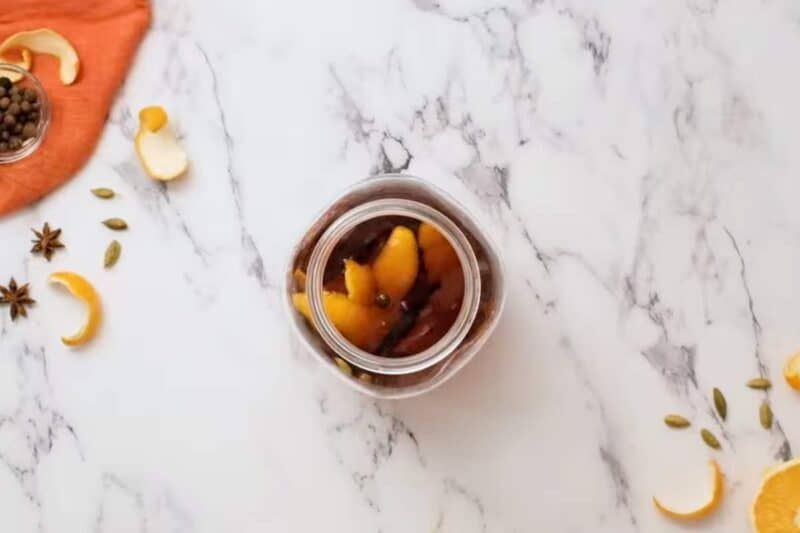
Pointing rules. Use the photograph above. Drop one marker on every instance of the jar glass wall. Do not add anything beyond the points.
(414, 203)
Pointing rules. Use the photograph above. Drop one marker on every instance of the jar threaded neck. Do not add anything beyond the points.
(449, 342)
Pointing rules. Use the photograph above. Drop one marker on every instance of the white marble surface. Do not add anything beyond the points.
(637, 163)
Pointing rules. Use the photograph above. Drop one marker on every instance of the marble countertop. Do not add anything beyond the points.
(636, 163)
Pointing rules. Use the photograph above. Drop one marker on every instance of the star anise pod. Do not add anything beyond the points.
(16, 297)
(46, 241)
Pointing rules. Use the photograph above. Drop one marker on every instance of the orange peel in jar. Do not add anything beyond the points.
(47, 41)
(79, 287)
(703, 510)
(791, 372)
(396, 267)
(157, 147)
(24, 62)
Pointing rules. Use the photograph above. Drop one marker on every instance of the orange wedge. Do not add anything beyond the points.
(360, 282)
(396, 266)
(792, 371)
(437, 252)
(776, 508)
(47, 41)
(705, 509)
(84, 291)
(157, 147)
(360, 324)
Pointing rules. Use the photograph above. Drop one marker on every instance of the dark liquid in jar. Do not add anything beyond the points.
(393, 286)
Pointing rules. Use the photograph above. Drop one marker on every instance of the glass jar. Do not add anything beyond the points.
(483, 291)
(28, 80)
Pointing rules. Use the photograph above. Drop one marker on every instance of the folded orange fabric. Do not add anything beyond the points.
(105, 34)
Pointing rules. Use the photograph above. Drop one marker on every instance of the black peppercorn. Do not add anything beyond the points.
(3, 146)
(29, 130)
(33, 116)
(15, 143)
(31, 95)
(14, 109)
(18, 128)
(5, 102)
(382, 300)
(25, 106)
(9, 120)
(5, 83)
(5, 135)
(13, 90)
(16, 98)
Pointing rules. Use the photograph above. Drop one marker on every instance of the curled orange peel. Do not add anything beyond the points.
(157, 147)
(705, 509)
(80, 288)
(47, 41)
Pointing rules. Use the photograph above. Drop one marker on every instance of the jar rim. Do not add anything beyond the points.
(454, 336)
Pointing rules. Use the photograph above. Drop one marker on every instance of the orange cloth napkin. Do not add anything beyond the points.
(105, 34)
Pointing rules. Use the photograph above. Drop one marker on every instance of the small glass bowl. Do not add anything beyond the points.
(30, 145)
(484, 289)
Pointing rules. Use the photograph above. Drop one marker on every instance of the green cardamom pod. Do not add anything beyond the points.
(343, 366)
(676, 421)
(103, 193)
(116, 224)
(765, 414)
(112, 254)
(710, 439)
(759, 383)
(720, 403)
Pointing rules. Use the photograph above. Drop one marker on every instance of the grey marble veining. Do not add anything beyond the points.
(636, 163)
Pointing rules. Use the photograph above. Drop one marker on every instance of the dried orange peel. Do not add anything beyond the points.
(24, 61)
(47, 41)
(776, 508)
(705, 509)
(396, 267)
(79, 287)
(157, 147)
(791, 372)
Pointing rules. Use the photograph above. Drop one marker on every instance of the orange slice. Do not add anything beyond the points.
(705, 509)
(776, 508)
(437, 252)
(157, 147)
(429, 236)
(397, 264)
(84, 291)
(792, 371)
(360, 324)
(47, 41)
(360, 282)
